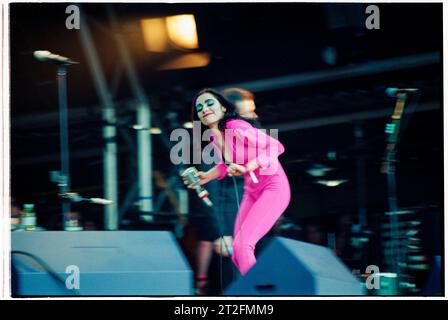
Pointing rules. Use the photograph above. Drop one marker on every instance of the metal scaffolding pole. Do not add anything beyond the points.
(144, 158)
(144, 143)
(64, 183)
(109, 130)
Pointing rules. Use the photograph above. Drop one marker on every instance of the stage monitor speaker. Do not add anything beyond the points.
(292, 268)
(99, 263)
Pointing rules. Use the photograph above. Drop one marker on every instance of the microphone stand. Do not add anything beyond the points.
(62, 177)
(64, 181)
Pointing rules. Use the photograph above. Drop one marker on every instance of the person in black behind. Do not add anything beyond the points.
(214, 225)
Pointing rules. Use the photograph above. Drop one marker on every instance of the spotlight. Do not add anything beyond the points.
(188, 125)
(331, 183)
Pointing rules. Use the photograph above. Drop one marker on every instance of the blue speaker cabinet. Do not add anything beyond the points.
(99, 263)
(294, 268)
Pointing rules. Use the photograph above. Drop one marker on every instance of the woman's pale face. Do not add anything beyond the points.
(209, 110)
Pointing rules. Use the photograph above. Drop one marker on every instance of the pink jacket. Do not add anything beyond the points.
(246, 144)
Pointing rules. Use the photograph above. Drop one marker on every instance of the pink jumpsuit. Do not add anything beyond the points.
(263, 202)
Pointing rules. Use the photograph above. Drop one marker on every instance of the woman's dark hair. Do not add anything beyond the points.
(230, 113)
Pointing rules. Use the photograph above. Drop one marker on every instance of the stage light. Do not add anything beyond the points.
(176, 35)
(155, 34)
(331, 183)
(182, 31)
(167, 33)
(152, 130)
(155, 131)
(188, 125)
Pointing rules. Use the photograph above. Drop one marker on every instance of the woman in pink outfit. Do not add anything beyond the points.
(245, 149)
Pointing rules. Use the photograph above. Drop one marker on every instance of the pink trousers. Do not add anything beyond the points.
(259, 210)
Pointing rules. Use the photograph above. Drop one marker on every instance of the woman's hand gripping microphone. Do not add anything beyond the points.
(194, 179)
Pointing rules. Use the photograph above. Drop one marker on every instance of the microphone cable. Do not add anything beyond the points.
(229, 250)
(237, 197)
(47, 268)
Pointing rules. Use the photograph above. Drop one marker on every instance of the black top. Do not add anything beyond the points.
(213, 222)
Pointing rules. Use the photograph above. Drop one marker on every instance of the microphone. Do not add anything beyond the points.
(75, 197)
(44, 55)
(392, 92)
(99, 201)
(191, 176)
